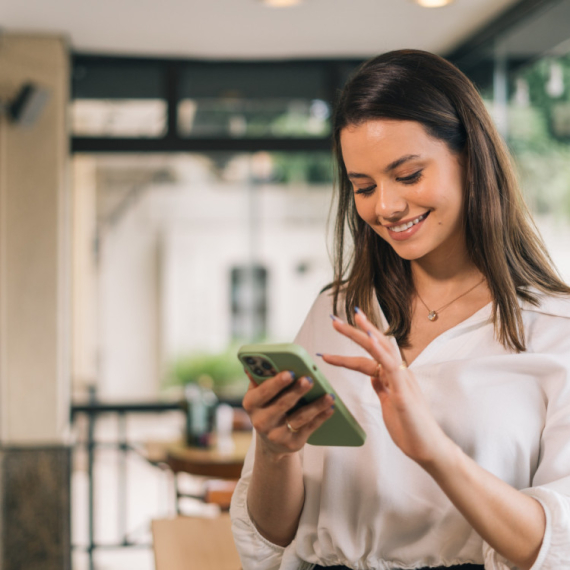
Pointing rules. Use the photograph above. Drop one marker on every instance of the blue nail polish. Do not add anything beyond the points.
(310, 380)
(293, 377)
(319, 354)
(357, 310)
(369, 333)
(332, 396)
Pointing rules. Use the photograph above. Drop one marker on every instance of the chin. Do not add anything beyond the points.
(409, 253)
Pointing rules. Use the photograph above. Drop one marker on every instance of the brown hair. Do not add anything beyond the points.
(502, 240)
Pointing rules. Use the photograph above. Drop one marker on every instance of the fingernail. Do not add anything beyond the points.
(369, 333)
(319, 354)
(357, 310)
(292, 374)
(310, 380)
(335, 318)
(333, 397)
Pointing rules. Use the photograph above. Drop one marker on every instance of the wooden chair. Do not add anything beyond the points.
(189, 543)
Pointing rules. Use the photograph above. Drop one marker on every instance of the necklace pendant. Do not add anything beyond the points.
(432, 316)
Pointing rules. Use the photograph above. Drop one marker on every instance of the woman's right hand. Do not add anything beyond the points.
(267, 405)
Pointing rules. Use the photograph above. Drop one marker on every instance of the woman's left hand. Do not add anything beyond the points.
(405, 411)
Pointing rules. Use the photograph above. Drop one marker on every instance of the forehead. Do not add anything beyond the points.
(385, 140)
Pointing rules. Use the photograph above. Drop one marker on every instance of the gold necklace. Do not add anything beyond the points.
(432, 315)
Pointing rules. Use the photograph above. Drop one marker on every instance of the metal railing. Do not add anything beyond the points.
(93, 410)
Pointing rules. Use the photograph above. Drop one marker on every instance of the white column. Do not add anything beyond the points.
(85, 295)
(35, 252)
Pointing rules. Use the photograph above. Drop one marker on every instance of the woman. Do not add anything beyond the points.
(451, 308)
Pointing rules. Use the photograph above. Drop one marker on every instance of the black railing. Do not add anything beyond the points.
(93, 410)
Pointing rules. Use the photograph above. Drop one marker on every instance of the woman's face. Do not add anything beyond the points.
(408, 187)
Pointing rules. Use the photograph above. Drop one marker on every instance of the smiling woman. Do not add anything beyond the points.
(396, 196)
(450, 305)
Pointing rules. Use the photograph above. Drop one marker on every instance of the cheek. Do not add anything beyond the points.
(365, 209)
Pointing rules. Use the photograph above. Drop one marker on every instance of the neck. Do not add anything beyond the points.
(444, 275)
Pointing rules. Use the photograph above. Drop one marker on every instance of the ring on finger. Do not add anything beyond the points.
(290, 427)
(378, 370)
(403, 366)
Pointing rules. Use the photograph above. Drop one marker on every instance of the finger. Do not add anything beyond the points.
(383, 356)
(358, 336)
(315, 423)
(267, 390)
(362, 322)
(286, 400)
(362, 337)
(379, 386)
(356, 363)
(273, 414)
(393, 374)
(306, 414)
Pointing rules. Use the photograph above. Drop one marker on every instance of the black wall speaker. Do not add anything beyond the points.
(28, 104)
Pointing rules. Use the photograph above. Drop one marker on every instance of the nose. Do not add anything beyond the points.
(390, 204)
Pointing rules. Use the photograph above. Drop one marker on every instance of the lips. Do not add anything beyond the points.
(407, 225)
(404, 231)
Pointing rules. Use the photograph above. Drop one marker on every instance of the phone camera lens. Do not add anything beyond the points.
(250, 360)
(258, 371)
(266, 365)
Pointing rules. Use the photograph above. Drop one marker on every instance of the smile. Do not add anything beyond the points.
(408, 225)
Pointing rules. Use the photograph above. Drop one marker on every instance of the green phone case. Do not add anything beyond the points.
(341, 429)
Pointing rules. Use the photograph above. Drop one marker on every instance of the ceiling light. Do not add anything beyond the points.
(433, 3)
(281, 3)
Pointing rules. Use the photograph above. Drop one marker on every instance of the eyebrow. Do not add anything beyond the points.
(389, 168)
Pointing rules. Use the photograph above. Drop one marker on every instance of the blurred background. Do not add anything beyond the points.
(165, 191)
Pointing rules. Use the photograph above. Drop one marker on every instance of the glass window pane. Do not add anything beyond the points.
(242, 118)
(119, 118)
(254, 100)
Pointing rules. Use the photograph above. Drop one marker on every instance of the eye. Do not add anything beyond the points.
(366, 191)
(411, 179)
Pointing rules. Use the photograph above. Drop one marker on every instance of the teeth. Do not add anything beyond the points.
(407, 226)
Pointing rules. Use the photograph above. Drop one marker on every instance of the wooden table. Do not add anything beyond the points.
(205, 462)
(209, 462)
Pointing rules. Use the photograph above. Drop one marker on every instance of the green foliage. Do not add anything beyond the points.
(304, 168)
(222, 371)
(542, 159)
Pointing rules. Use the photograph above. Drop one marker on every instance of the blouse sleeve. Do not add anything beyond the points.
(255, 551)
(551, 481)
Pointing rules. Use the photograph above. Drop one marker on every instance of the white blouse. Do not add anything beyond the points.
(371, 507)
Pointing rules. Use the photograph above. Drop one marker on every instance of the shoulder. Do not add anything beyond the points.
(547, 324)
(549, 305)
(324, 305)
(316, 327)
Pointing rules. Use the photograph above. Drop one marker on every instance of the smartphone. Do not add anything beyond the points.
(263, 361)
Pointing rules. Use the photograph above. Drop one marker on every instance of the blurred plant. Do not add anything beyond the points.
(541, 155)
(307, 167)
(222, 372)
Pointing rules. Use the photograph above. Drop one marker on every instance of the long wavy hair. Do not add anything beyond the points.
(501, 238)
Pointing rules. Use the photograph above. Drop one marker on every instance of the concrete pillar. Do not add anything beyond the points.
(35, 295)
